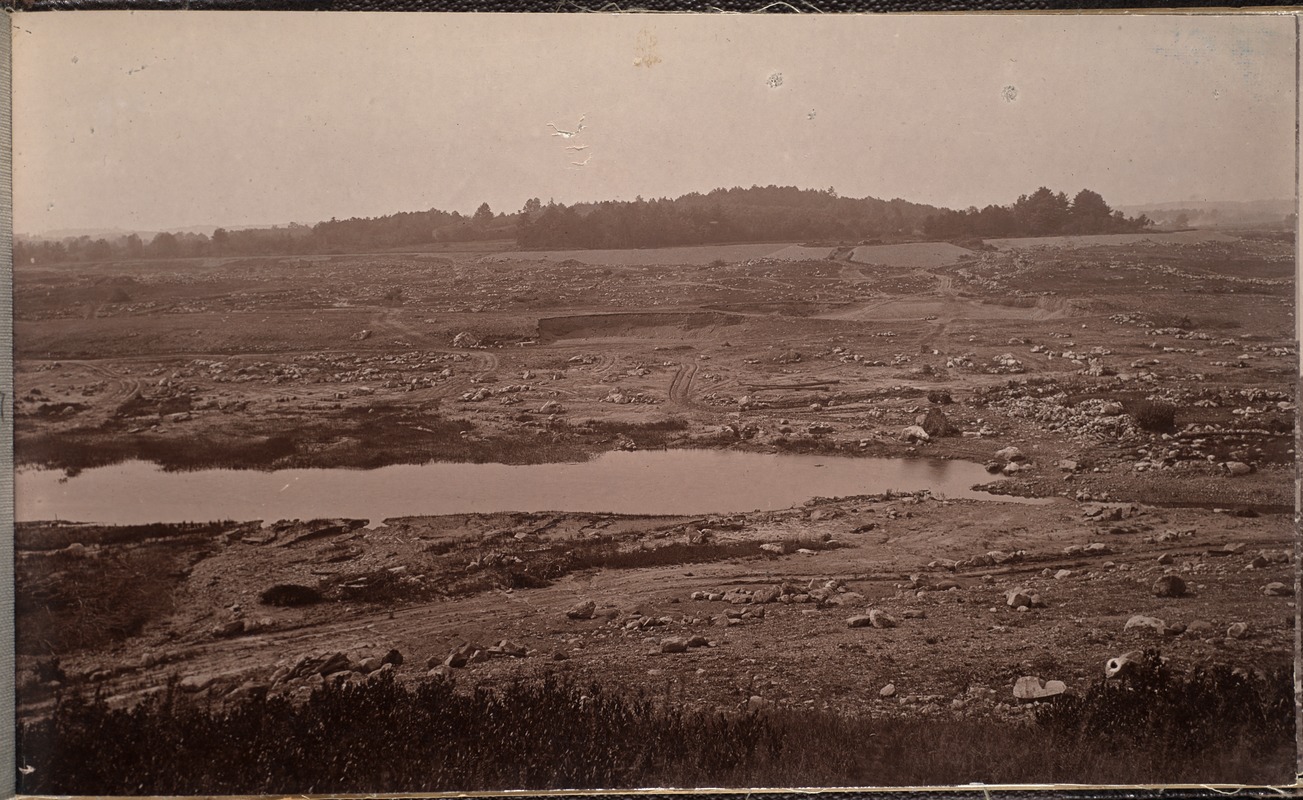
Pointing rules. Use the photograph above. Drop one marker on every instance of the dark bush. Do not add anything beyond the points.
(1153, 705)
(1153, 415)
(289, 594)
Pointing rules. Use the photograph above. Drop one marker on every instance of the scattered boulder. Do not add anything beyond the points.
(935, 423)
(1165, 559)
(1029, 688)
(336, 662)
(1010, 453)
(1237, 630)
(393, 657)
(1170, 586)
(1277, 589)
(859, 621)
(465, 340)
(582, 610)
(674, 645)
(1142, 622)
(196, 683)
(887, 691)
(914, 433)
(289, 594)
(1018, 597)
(1199, 627)
(881, 619)
(1237, 468)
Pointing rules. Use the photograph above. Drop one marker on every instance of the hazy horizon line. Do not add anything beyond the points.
(91, 230)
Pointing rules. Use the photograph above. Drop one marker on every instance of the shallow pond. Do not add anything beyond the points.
(642, 482)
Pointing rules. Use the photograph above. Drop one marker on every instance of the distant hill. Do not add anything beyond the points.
(1218, 213)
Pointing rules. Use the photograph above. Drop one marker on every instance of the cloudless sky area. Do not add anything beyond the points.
(164, 120)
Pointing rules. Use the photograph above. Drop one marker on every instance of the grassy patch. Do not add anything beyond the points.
(66, 602)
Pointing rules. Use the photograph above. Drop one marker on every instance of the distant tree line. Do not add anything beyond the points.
(1042, 213)
(768, 213)
(757, 214)
(406, 229)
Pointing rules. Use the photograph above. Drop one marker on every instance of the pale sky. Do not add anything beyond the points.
(162, 120)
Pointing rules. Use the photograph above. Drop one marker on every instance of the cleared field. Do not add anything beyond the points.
(1179, 237)
(701, 254)
(914, 254)
(799, 252)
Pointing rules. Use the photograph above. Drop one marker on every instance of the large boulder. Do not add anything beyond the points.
(1170, 586)
(935, 423)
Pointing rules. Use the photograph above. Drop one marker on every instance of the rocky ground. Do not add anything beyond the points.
(899, 605)
(1039, 364)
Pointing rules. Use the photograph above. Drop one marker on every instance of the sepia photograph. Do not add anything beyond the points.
(435, 403)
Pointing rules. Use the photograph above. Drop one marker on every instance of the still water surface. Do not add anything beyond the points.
(642, 482)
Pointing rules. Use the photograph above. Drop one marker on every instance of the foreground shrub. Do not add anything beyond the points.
(1180, 712)
(554, 734)
(1154, 416)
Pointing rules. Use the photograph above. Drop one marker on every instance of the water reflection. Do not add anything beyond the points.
(651, 482)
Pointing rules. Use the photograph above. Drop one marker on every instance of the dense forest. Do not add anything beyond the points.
(758, 214)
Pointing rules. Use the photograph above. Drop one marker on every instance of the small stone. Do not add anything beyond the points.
(1277, 589)
(887, 691)
(1165, 559)
(1237, 630)
(393, 657)
(1063, 573)
(914, 613)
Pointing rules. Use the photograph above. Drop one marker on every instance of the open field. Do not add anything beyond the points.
(1177, 237)
(1147, 386)
(653, 256)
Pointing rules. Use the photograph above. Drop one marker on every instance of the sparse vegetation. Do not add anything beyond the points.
(66, 602)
